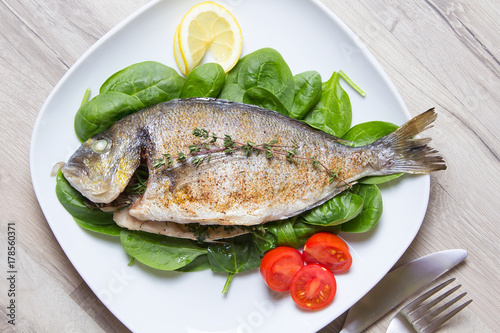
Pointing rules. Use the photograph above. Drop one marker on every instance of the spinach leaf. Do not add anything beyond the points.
(233, 256)
(332, 114)
(307, 93)
(150, 82)
(303, 230)
(337, 210)
(159, 251)
(74, 202)
(198, 264)
(284, 232)
(107, 229)
(102, 111)
(291, 232)
(264, 241)
(205, 80)
(263, 68)
(371, 212)
(265, 99)
(125, 92)
(374, 180)
(366, 133)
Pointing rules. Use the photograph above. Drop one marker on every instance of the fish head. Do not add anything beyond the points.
(102, 166)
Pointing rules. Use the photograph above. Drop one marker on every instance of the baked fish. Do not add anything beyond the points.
(286, 168)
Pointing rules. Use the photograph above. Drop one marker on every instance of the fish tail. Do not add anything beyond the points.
(401, 153)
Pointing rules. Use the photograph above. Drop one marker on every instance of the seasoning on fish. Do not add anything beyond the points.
(233, 188)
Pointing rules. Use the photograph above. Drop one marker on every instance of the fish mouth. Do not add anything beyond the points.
(71, 172)
(95, 191)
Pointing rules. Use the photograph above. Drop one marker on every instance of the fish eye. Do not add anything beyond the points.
(101, 146)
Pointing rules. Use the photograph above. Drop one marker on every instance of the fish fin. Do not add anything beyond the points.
(403, 153)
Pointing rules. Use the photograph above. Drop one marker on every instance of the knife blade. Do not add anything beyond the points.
(397, 286)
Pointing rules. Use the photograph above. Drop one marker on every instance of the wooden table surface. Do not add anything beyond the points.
(438, 53)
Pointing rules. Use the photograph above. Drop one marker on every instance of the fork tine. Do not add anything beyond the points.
(440, 321)
(436, 312)
(417, 313)
(418, 316)
(413, 305)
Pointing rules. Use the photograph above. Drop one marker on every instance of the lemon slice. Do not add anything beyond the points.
(177, 53)
(207, 27)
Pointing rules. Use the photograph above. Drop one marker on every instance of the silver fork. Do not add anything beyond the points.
(418, 316)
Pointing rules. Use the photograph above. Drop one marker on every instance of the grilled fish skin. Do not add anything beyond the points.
(234, 189)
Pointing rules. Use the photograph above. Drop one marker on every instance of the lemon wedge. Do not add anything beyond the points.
(207, 27)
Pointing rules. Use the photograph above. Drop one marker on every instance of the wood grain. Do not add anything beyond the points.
(437, 52)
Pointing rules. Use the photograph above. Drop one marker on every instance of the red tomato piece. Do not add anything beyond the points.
(328, 250)
(313, 287)
(278, 267)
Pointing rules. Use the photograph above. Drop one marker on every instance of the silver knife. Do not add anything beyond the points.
(397, 286)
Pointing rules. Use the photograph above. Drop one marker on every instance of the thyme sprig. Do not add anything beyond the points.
(230, 146)
(138, 183)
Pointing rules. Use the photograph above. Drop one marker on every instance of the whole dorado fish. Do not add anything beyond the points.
(242, 187)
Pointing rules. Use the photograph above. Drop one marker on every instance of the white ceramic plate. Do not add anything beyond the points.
(309, 36)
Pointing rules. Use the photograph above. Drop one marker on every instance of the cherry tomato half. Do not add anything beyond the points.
(328, 250)
(313, 287)
(278, 267)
